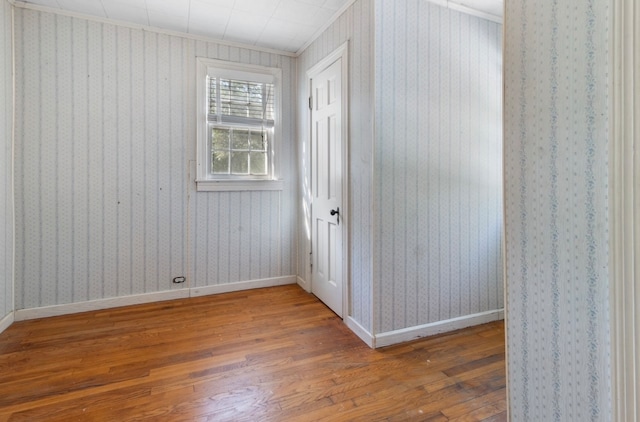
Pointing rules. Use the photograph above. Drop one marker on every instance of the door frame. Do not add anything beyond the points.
(342, 52)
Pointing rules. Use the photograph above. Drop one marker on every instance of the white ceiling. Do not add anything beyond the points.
(286, 25)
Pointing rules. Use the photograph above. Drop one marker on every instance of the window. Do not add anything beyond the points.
(237, 126)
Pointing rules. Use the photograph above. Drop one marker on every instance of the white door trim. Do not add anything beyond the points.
(624, 194)
(341, 52)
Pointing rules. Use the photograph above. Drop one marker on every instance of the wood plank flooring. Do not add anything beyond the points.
(275, 354)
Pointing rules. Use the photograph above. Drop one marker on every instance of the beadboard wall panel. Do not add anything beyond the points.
(104, 140)
(355, 25)
(556, 175)
(438, 165)
(242, 236)
(6, 162)
(95, 161)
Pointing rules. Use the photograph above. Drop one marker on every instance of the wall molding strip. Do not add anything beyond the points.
(326, 26)
(6, 321)
(624, 204)
(13, 159)
(304, 284)
(412, 333)
(473, 12)
(155, 29)
(95, 305)
(360, 331)
(242, 285)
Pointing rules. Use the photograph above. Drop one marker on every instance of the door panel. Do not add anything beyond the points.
(326, 138)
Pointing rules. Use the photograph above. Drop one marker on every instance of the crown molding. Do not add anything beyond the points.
(155, 29)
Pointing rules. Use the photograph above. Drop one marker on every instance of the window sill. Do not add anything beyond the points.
(238, 185)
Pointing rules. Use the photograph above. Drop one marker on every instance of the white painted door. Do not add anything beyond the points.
(326, 182)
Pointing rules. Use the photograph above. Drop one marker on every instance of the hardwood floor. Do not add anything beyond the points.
(274, 354)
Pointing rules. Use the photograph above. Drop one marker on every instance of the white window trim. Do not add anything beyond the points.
(204, 182)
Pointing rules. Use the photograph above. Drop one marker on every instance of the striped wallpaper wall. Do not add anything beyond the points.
(438, 165)
(556, 173)
(355, 25)
(242, 236)
(6, 153)
(105, 141)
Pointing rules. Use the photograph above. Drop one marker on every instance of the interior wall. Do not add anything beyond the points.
(356, 26)
(438, 165)
(244, 236)
(556, 173)
(6, 162)
(105, 160)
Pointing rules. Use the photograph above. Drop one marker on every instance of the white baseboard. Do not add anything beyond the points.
(360, 331)
(242, 285)
(407, 334)
(304, 284)
(115, 302)
(95, 305)
(6, 321)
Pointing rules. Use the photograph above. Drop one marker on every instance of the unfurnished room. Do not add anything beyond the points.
(304, 210)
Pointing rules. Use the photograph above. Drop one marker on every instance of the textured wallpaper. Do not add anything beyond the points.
(355, 25)
(105, 143)
(438, 166)
(242, 236)
(556, 129)
(6, 191)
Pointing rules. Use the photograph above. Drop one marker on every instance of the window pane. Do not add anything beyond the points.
(240, 139)
(239, 89)
(246, 99)
(212, 96)
(225, 95)
(255, 107)
(269, 89)
(255, 93)
(239, 98)
(256, 140)
(220, 162)
(240, 162)
(258, 163)
(220, 138)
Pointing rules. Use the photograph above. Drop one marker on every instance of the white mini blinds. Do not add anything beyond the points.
(237, 139)
(234, 100)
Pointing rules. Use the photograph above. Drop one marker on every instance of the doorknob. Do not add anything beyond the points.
(336, 211)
